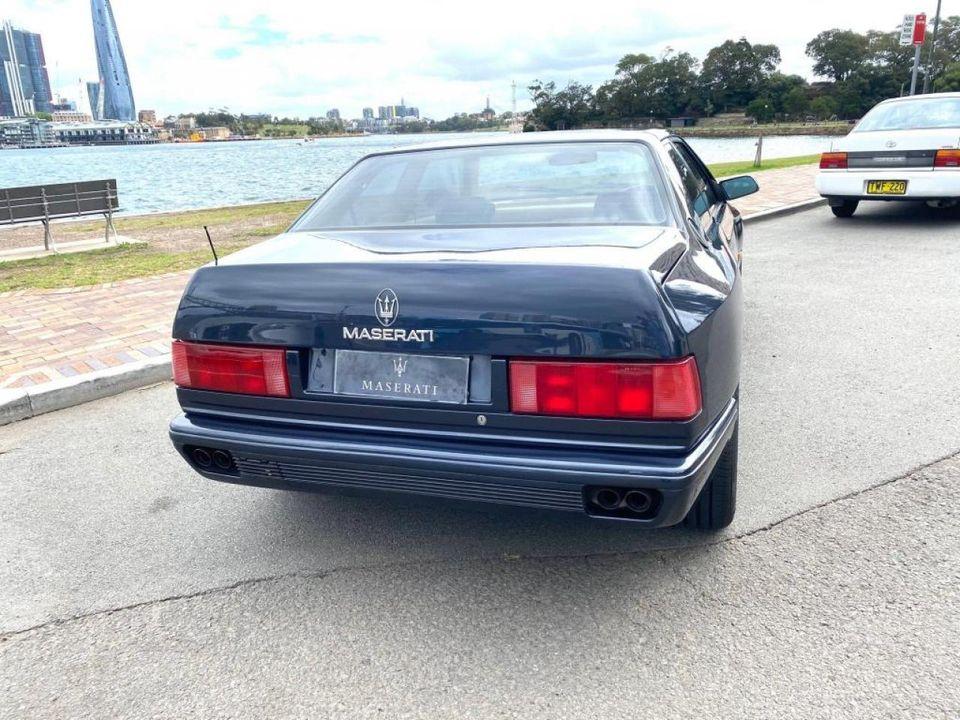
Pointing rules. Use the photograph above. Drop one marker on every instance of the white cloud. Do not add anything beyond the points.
(302, 58)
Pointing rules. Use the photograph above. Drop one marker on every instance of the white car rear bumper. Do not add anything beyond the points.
(921, 184)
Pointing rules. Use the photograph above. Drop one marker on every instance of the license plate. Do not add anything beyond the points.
(401, 376)
(886, 187)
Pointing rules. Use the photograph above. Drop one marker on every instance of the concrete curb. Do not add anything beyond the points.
(20, 404)
(784, 210)
(26, 403)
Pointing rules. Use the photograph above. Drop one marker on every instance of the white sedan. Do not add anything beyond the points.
(903, 149)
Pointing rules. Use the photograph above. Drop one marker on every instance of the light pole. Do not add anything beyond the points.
(933, 47)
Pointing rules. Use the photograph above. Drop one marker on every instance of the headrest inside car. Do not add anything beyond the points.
(465, 211)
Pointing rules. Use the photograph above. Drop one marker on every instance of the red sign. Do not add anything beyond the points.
(919, 28)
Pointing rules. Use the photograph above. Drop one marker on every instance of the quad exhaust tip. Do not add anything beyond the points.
(623, 502)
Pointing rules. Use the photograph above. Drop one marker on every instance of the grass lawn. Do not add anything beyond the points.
(175, 241)
(101, 266)
(746, 167)
(187, 219)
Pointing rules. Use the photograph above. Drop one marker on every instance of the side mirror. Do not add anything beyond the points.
(738, 187)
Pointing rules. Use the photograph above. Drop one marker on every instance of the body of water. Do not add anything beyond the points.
(166, 177)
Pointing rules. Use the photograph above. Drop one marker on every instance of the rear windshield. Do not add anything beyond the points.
(607, 183)
(928, 113)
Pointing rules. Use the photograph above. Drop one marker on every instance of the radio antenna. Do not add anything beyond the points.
(216, 260)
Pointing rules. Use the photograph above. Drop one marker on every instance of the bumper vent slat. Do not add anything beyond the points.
(451, 486)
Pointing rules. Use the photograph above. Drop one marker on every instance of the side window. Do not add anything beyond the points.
(698, 190)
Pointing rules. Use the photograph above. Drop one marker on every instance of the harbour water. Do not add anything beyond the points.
(168, 177)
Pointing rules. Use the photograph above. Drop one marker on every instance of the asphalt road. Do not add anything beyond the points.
(131, 588)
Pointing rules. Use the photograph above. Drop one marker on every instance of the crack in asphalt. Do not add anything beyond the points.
(322, 574)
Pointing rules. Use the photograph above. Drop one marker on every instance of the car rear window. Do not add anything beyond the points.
(581, 183)
(927, 113)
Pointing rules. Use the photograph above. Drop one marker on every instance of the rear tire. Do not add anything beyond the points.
(845, 209)
(717, 502)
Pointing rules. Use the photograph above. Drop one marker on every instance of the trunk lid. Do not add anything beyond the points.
(589, 292)
(905, 149)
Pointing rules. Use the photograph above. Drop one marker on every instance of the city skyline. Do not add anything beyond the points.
(295, 60)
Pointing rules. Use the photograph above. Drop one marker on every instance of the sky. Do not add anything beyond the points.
(303, 58)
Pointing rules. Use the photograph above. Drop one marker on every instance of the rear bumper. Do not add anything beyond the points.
(921, 184)
(544, 477)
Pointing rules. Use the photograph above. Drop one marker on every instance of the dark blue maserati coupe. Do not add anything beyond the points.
(547, 320)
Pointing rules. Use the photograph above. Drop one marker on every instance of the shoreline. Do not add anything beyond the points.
(827, 129)
(773, 130)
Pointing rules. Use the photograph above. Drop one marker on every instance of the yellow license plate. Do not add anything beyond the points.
(886, 187)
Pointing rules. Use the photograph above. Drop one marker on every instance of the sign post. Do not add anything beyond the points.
(933, 49)
(912, 32)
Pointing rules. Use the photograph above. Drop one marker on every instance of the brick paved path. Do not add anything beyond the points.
(51, 334)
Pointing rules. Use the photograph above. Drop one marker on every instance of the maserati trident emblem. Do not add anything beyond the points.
(400, 366)
(386, 307)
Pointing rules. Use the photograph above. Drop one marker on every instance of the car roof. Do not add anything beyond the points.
(483, 139)
(914, 98)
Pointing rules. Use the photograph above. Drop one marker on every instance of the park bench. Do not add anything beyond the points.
(43, 203)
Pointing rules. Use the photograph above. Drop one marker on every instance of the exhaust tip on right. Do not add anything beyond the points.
(639, 501)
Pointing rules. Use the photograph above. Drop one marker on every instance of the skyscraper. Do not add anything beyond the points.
(94, 95)
(24, 84)
(116, 95)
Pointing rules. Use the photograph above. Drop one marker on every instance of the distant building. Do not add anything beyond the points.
(104, 132)
(26, 132)
(117, 101)
(95, 97)
(74, 116)
(63, 105)
(147, 116)
(488, 112)
(397, 113)
(185, 123)
(24, 83)
(333, 114)
(368, 113)
(214, 133)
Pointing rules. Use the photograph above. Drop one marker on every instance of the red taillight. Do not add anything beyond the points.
(947, 159)
(247, 370)
(637, 391)
(833, 161)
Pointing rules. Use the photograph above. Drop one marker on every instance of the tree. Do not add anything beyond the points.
(733, 72)
(647, 88)
(823, 107)
(796, 103)
(761, 109)
(949, 79)
(572, 107)
(778, 86)
(948, 45)
(837, 53)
